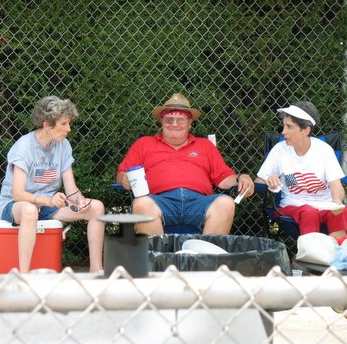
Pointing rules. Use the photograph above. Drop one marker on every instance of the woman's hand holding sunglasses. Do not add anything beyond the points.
(58, 200)
(77, 202)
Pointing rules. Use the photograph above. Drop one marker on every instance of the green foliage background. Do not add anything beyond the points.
(236, 60)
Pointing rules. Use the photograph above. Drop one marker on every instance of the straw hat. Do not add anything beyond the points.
(176, 102)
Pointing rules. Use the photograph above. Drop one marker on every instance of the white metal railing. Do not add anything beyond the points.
(63, 308)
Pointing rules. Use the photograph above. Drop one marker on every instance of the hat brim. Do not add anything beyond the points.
(159, 109)
(297, 112)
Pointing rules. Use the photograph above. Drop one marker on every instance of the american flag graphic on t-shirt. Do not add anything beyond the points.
(304, 182)
(45, 176)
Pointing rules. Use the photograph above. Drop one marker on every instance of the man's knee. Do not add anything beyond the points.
(223, 206)
(220, 216)
(145, 205)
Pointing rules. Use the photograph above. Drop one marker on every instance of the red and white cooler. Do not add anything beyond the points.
(47, 251)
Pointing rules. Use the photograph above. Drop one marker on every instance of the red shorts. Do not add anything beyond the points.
(309, 219)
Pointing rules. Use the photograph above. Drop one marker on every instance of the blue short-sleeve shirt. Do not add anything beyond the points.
(43, 166)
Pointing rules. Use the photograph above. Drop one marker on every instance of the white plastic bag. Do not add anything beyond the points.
(340, 261)
(202, 246)
(317, 248)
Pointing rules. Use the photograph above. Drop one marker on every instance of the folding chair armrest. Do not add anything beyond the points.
(260, 188)
(118, 187)
(263, 191)
(231, 191)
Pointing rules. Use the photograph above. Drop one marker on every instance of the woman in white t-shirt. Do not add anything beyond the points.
(39, 164)
(307, 172)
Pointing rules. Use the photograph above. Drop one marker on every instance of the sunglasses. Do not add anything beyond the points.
(174, 120)
(73, 207)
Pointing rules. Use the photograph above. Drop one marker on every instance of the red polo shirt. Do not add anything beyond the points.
(196, 166)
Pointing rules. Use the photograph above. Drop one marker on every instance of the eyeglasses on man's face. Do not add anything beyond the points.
(175, 120)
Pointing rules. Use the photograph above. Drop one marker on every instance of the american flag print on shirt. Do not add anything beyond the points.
(45, 176)
(304, 182)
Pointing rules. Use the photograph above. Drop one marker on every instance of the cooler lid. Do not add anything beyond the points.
(43, 224)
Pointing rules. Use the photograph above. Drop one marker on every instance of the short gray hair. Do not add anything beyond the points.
(51, 109)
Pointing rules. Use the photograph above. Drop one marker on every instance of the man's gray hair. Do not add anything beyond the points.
(51, 109)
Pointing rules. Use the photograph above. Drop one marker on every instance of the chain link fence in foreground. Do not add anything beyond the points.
(173, 307)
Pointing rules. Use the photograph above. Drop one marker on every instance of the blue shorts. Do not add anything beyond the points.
(45, 213)
(183, 207)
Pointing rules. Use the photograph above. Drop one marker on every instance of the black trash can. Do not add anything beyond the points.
(131, 253)
(251, 256)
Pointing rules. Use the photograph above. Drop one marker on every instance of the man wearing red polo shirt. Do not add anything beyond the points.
(181, 171)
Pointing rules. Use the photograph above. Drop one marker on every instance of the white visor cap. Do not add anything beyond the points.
(295, 111)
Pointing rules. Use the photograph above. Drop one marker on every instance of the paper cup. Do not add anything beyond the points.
(137, 180)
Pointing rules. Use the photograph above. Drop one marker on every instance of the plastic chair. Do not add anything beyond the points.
(278, 224)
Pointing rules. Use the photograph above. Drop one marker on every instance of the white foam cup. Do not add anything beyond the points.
(137, 180)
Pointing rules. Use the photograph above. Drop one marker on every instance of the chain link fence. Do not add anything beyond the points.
(236, 60)
(173, 307)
